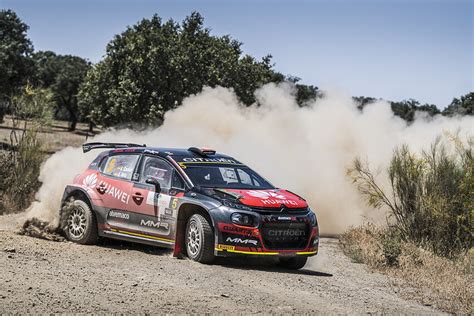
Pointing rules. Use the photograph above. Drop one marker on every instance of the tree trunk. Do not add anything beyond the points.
(72, 114)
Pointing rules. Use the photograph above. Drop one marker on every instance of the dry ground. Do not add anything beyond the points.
(55, 137)
(40, 276)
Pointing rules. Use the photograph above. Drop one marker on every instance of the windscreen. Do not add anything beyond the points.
(225, 176)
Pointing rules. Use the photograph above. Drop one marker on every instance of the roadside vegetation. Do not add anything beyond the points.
(429, 237)
(20, 164)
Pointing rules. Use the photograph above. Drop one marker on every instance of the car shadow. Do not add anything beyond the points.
(239, 263)
(118, 245)
(264, 264)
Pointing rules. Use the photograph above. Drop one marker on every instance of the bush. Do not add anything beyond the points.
(391, 246)
(20, 165)
(430, 197)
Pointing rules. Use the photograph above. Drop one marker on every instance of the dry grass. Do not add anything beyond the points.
(419, 274)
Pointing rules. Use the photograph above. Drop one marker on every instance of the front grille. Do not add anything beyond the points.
(285, 235)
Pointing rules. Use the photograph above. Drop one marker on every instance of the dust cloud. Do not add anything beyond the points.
(306, 150)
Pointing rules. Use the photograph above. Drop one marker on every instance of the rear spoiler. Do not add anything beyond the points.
(89, 146)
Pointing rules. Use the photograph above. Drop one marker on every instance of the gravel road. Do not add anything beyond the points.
(40, 276)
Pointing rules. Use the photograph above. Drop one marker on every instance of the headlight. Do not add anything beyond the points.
(242, 219)
(314, 221)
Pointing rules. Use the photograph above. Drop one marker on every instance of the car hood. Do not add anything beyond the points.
(266, 198)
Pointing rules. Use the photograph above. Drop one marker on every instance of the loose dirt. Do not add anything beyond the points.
(45, 276)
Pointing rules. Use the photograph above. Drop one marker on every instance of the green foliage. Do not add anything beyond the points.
(391, 246)
(63, 74)
(20, 167)
(431, 200)
(462, 106)
(405, 109)
(152, 66)
(15, 64)
(33, 107)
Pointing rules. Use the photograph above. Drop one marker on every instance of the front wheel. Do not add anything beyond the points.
(294, 263)
(79, 223)
(199, 239)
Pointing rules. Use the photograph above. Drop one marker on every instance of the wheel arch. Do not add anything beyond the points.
(185, 211)
(77, 193)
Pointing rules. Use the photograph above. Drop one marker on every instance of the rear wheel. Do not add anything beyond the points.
(199, 239)
(79, 223)
(294, 263)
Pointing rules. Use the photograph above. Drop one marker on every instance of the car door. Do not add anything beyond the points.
(114, 184)
(158, 210)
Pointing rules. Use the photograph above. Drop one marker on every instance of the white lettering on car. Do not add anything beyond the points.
(150, 223)
(271, 198)
(222, 160)
(118, 194)
(241, 241)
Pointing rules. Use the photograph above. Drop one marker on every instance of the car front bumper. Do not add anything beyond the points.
(275, 235)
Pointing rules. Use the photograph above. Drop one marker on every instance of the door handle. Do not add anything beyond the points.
(137, 197)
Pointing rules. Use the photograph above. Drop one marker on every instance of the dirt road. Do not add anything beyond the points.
(40, 276)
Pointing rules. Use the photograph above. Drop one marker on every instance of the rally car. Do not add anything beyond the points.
(200, 203)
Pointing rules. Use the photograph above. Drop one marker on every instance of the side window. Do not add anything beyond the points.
(120, 166)
(177, 181)
(157, 168)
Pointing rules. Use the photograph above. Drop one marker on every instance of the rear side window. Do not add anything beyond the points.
(121, 166)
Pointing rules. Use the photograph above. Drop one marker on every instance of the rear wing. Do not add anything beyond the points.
(89, 146)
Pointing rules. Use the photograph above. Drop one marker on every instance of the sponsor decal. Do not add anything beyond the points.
(238, 240)
(271, 198)
(225, 247)
(174, 203)
(151, 223)
(216, 160)
(151, 151)
(162, 201)
(107, 188)
(264, 195)
(286, 233)
(285, 218)
(104, 187)
(118, 214)
(90, 181)
(236, 230)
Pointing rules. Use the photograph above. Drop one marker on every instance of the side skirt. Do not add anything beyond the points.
(138, 238)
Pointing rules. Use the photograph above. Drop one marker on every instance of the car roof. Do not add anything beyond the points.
(175, 153)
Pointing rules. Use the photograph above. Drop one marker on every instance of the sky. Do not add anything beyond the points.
(393, 49)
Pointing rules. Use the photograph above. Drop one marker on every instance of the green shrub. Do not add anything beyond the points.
(391, 246)
(430, 197)
(20, 165)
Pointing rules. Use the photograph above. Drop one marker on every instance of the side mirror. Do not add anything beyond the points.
(154, 182)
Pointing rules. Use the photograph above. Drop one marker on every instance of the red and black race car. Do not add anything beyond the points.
(196, 201)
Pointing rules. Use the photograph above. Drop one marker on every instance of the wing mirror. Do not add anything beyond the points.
(154, 182)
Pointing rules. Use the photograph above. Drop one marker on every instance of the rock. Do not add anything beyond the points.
(10, 249)
(225, 295)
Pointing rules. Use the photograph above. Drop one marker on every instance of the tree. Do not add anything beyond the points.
(15, 50)
(462, 106)
(152, 66)
(63, 74)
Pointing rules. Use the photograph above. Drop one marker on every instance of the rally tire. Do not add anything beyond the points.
(79, 223)
(294, 263)
(199, 239)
